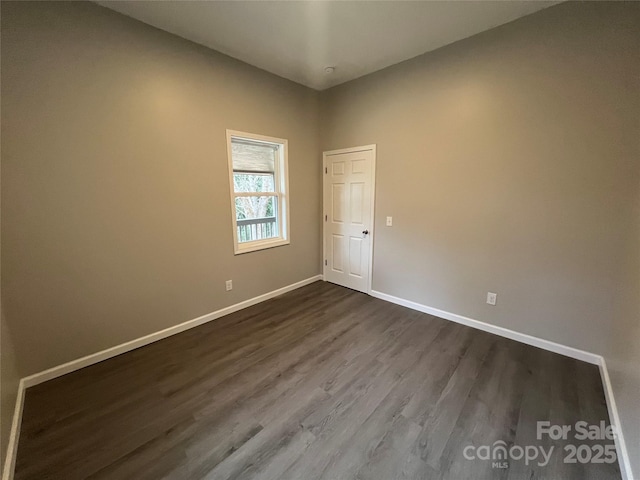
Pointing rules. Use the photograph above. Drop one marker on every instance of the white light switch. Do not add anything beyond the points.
(389, 221)
(492, 298)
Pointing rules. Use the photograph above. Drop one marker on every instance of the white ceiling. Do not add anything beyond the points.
(297, 40)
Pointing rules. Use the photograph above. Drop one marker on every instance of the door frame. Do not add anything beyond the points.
(372, 229)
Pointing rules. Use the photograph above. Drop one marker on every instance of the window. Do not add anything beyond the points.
(259, 188)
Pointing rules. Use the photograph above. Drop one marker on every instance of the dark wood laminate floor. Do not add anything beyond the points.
(320, 383)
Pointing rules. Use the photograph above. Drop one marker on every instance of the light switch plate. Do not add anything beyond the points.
(492, 298)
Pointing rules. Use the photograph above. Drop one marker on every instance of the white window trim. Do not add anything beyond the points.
(282, 194)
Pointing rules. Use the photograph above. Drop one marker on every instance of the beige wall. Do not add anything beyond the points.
(504, 160)
(9, 381)
(623, 359)
(510, 163)
(9, 376)
(116, 210)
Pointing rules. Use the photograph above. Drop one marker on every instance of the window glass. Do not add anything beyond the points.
(258, 169)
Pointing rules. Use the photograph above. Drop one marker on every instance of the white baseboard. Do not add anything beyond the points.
(621, 446)
(487, 327)
(623, 454)
(14, 436)
(35, 379)
(79, 363)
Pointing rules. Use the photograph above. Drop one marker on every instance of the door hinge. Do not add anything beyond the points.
(325, 218)
(325, 263)
(325, 170)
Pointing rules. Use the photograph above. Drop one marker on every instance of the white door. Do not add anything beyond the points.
(348, 222)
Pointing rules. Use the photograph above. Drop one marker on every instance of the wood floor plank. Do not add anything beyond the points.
(443, 417)
(320, 383)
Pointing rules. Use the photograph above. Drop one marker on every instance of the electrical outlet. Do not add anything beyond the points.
(492, 298)
(389, 221)
(229, 285)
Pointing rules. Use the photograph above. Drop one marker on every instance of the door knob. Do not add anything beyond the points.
(365, 232)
